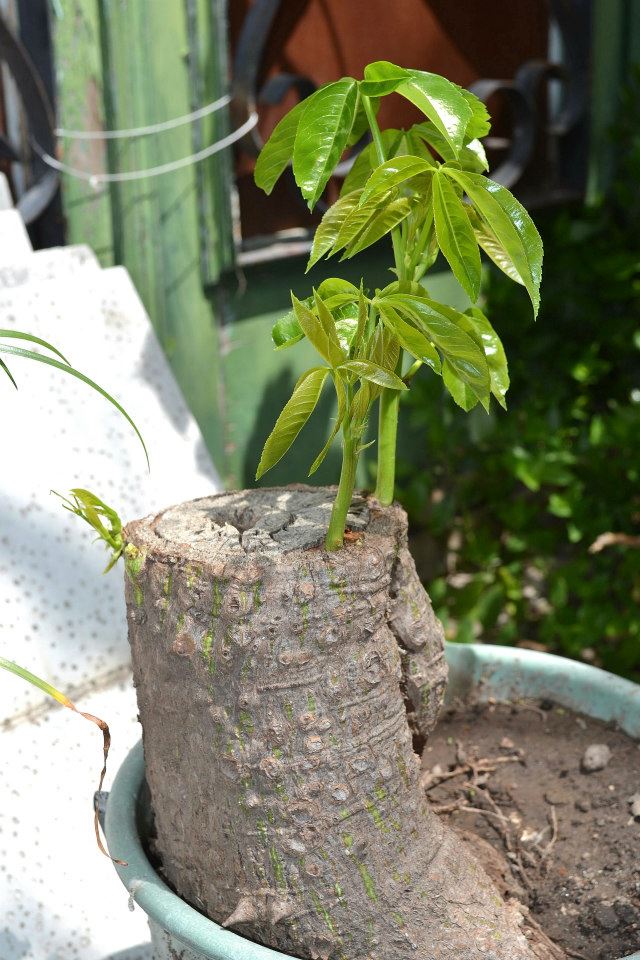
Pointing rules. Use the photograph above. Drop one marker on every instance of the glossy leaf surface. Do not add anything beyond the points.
(455, 236)
(411, 339)
(511, 224)
(329, 228)
(375, 373)
(295, 414)
(479, 123)
(442, 102)
(492, 247)
(278, 150)
(382, 78)
(322, 135)
(461, 392)
(286, 331)
(381, 223)
(471, 155)
(321, 335)
(392, 174)
(494, 352)
(462, 352)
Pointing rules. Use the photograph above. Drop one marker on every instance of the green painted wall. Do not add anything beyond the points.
(139, 63)
(75, 27)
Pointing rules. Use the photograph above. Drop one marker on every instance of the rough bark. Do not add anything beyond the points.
(277, 745)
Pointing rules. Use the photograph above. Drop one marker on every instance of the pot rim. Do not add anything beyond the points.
(492, 671)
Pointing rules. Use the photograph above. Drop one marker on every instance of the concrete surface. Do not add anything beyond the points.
(60, 898)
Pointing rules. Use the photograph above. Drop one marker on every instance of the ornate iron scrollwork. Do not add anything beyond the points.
(522, 93)
(40, 120)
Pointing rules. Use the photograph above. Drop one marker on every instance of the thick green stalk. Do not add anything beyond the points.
(387, 435)
(335, 533)
(389, 399)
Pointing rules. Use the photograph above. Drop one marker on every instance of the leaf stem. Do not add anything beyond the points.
(396, 237)
(387, 436)
(411, 372)
(389, 399)
(342, 502)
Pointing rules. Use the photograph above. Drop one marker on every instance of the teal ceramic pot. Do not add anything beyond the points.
(181, 933)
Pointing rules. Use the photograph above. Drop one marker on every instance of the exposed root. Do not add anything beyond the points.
(477, 770)
(540, 943)
(475, 796)
(554, 834)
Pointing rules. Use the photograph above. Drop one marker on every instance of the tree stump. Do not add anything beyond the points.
(279, 686)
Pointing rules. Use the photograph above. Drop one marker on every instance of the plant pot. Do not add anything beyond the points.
(181, 933)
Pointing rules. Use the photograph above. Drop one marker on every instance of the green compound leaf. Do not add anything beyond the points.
(295, 414)
(455, 236)
(470, 157)
(320, 332)
(278, 150)
(512, 226)
(380, 223)
(382, 78)
(355, 223)
(322, 135)
(330, 226)
(441, 325)
(494, 352)
(287, 331)
(412, 340)
(442, 102)
(392, 174)
(374, 373)
(384, 348)
(462, 394)
(479, 124)
(336, 287)
(492, 247)
(94, 511)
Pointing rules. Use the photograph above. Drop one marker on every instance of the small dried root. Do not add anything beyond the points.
(475, 796)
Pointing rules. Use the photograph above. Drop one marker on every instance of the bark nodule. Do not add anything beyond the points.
(280, 687)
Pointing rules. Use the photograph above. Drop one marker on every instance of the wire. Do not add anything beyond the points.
(96, 178)
(143, 131)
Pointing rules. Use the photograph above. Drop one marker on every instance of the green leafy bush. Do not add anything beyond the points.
(508, 506)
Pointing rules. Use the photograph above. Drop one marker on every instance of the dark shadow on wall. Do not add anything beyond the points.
(294, 466)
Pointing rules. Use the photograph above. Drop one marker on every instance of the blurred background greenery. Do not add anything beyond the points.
(504, 508)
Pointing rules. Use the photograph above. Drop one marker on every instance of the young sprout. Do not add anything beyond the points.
(94, 511)
(427, 188)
